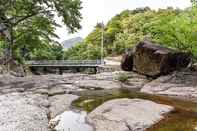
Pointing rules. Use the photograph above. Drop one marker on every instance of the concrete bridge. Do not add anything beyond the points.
(61, 65)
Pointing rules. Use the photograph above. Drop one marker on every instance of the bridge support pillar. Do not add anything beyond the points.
(95, 70)
(45, 70)
(60, 71)
(77, 70)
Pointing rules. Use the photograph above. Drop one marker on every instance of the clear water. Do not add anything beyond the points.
(73, 121)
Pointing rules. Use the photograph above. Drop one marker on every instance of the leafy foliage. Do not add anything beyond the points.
(47, 52)
(178, 31)
(173, 28)
(122, 77)
(31, 23)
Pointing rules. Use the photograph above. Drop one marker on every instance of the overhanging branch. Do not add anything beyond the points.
(29, 16)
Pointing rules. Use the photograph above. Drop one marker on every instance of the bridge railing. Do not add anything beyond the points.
(65, 62)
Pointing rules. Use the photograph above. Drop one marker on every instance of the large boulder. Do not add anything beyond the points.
(127, 115)
(127, 60)
(155, 60)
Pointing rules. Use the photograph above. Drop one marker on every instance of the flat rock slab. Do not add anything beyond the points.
(127, 115)
(46, 84)
(97, 84)
(135, 81)
(22, 112)
(60, 103)
(176, 84)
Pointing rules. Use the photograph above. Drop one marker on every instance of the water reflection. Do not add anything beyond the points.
(73, 121)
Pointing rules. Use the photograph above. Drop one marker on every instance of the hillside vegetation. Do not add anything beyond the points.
(32, 37)
(173, 28)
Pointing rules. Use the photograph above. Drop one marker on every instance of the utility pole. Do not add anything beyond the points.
(102, 43)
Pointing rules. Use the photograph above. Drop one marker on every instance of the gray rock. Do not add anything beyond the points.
(97, 84)
(46, 84)
(127, 115)
(177, 84)
(60, 103)
(23, 112)
(135, 80)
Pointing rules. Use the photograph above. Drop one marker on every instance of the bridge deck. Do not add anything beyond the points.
(65, 63)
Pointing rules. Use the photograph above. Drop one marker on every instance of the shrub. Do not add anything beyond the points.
(122, 77)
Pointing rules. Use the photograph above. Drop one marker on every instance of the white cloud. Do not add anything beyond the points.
(95, 11)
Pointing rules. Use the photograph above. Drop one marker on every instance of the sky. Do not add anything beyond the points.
(95, 11)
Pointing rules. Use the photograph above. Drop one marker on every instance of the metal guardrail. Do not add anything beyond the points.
(64, 62)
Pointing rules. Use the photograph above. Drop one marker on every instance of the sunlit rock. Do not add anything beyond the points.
(127, 114)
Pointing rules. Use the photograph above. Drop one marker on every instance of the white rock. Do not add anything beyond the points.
(127, 115)
(23, 112)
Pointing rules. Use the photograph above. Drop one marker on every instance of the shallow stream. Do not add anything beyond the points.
(184, 118)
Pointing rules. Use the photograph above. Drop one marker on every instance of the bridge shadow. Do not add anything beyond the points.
(65, 66)
(62, 70)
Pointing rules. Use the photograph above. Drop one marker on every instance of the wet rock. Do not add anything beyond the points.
(23, 112)
(127, 115)
(178, 84)
(127, 60)
(154, 60)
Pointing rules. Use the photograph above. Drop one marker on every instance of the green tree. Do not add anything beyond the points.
(177, 31)
(30, 22)
(47, 52)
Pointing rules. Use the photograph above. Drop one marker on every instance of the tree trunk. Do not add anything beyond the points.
(9, 54)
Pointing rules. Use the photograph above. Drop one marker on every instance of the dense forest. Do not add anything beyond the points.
(174, 28)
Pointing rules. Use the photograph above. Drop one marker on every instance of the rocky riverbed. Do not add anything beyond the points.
(29, 103)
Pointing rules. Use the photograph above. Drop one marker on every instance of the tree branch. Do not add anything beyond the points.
(29, 16)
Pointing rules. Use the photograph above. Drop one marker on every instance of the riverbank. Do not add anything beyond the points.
(29, 103)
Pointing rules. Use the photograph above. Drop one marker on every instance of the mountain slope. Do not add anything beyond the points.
(71, 42)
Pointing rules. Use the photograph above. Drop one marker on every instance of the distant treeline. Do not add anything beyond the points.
(174, 28)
